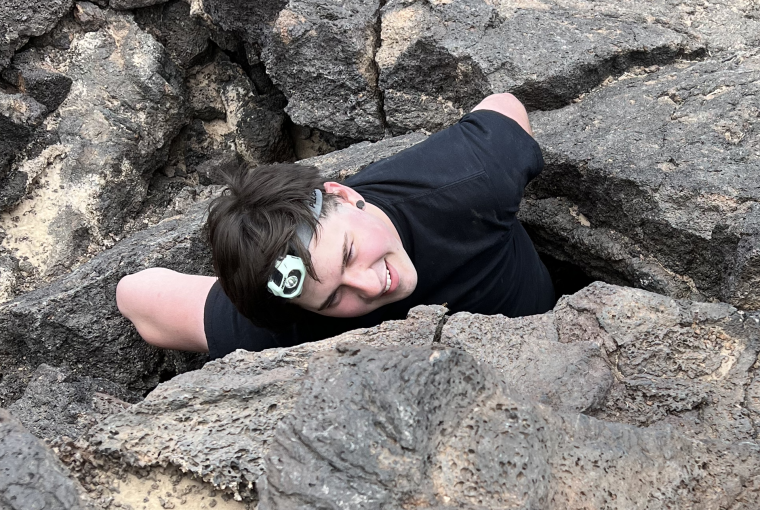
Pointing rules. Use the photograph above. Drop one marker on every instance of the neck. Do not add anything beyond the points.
(376, 211)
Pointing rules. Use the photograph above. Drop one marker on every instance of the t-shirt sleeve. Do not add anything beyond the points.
(507, 153)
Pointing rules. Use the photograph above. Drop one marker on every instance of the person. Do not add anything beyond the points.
(299, 259)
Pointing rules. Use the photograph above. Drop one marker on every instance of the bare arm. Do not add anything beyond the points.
(166, 307)
(507, 105)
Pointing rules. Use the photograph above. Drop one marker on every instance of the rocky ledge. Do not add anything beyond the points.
(647, 398)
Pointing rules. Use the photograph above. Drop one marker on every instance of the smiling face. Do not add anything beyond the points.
(359, 259)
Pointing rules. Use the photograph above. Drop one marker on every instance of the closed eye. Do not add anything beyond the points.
(348, 255)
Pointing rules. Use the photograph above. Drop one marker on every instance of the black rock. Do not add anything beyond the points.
(30, 474)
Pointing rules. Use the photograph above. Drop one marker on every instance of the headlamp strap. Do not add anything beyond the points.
(290, 271)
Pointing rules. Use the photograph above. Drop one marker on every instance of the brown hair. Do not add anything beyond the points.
(252, 224)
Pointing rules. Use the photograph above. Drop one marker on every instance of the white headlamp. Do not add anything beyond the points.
(290, 271)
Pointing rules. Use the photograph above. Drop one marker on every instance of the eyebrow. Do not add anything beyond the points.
(342, 270)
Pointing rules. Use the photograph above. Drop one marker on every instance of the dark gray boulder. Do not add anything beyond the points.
(560, 230)
(22, 19)
(88, 177)
(20, 115)
(612, 353)
(322, 57)
(434, 428)
(341, 164)
(627, 355)
(46, 86)
(439, 59)
(666, 164)
(57, 405)
(126, 5)
(30, 474)
(74, 322)
(185, 38)
(218, 422)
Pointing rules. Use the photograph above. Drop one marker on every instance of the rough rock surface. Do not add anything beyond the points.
(30, 474)
(87, 174)
(185, 38)
(627, 355)
(331, 47)
(250, 22)
(659, 170)
(46, 86)
(218, 422)
(233, 120)
(56, 404)
(74, 322)
(341, 164)
(613, 353)
(439, 59)
(22, 19)
(432, 428)
(20, 115)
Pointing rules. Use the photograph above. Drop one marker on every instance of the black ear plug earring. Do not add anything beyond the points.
(360, 204)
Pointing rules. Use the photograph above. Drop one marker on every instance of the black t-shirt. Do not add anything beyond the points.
(453, 199)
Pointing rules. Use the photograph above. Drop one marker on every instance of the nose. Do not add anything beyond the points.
(364, 281)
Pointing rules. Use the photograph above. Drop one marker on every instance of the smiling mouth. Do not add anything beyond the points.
(387, 279)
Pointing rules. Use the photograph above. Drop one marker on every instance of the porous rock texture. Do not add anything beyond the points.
(85, 177)
(30, 474)
(74, 322)
(439, 59)
(57, 404)
(22, 19)
(616, 354)
(331, 47)
(433, 428)
(630, 356)
(218, 422)
(655, 178)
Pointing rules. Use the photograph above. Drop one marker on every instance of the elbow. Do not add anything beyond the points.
(131, 301)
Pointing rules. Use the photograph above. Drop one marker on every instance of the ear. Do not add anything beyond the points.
(344, 192)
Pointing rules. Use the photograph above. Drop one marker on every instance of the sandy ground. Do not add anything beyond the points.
(166, 488)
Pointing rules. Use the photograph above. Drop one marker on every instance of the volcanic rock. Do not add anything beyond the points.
(341, 164)
(434, 428)
(74, 322)
(45, 85)
(322, 58)
(235, 123)
(627, 355)
(22, 19)
(185, 38)
(90, 175)
(218, 422)
(56, 404)
(439, 59)
(613, 353)
(20, 115)
(30, 474)
(126, 5)
(240, 21)
(89, 16)
(663, 168)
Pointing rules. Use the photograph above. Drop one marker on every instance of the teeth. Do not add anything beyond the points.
(387, 280)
